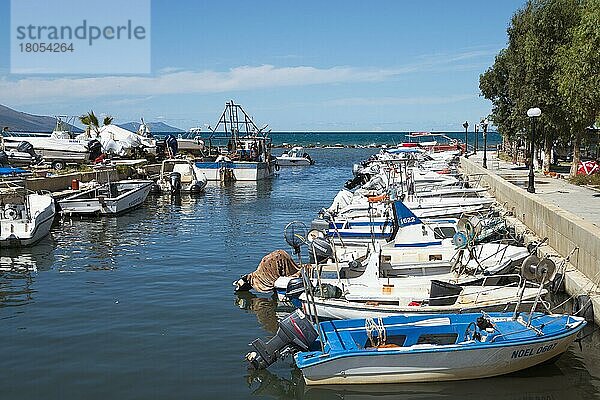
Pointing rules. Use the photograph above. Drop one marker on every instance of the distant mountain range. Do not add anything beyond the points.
(17, 121)
(154, 127)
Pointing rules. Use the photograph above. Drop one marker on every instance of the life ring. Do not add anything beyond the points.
(10, 213)
(376, 199)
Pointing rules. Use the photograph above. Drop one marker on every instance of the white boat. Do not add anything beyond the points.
(240, 152)
(295, 157)
(57, 151)
(348, 205)
(191, 141)
(112, 198)
(25, 218)
(425, 348)
(58, 148)
(179, 175)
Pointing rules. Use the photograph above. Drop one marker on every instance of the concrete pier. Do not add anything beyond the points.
(62, 182)
(568, 215)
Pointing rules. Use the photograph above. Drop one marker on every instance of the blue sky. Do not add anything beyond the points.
(297, 65)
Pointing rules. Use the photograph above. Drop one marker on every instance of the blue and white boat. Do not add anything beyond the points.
(423, 348)
(240, 152)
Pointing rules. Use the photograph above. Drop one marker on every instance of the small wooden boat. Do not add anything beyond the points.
(111, 198)
(425, 348)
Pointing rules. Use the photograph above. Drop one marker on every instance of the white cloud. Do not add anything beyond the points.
(39, 90)
(130, 89)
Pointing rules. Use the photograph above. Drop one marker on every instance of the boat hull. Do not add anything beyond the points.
(434, 365)
(137, 193)
(293, 161)
(517, 348)
(25, 234)
(241, 170)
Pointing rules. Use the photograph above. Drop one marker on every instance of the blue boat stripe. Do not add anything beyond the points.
(357, 234)
(424, 244)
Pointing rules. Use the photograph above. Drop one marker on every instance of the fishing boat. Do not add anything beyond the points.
(25, 218)
(424, 348)
(111, 198)
(236, 149)
(295, 157)
(179, 175)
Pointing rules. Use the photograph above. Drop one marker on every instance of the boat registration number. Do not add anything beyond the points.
(533, 351)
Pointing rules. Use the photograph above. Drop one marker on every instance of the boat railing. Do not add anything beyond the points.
(518, 283)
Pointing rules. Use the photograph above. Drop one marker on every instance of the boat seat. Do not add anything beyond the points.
(186, 178)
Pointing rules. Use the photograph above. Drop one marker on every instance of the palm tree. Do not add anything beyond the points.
(91, 121)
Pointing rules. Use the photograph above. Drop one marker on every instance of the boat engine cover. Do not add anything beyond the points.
(172, 145)
(295, 332)
(295, 288)
(321, 248)
(95, 149)
(175, 181)
(26, 147)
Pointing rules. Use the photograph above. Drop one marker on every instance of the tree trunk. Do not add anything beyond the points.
(547, 153)
(576, 152)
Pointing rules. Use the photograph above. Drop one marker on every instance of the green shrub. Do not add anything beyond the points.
(593, 179)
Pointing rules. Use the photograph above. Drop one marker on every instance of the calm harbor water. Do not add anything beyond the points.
(142, 306)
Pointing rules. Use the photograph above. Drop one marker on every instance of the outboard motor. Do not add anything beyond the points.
(350, 184)
(295, 333)
(175, 181)
(171, 145)
(26, 147)
(3, 158)
(95, 149)
(198, 187)
(295, 288)
(321, 249)
(161, 149)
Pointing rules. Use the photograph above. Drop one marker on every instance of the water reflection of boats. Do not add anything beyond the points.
(15, 288)
(38, 258)
(544, 382)
(266, 309)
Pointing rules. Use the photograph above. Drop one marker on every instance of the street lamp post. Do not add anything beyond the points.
(532, 113)
(484, 125)
(466, 126)
(476, 138)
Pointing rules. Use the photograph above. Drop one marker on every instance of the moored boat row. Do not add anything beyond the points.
(418, 278)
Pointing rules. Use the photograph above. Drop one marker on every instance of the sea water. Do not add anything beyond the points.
(142, 306)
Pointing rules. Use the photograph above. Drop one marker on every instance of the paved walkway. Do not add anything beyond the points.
(580, 201)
